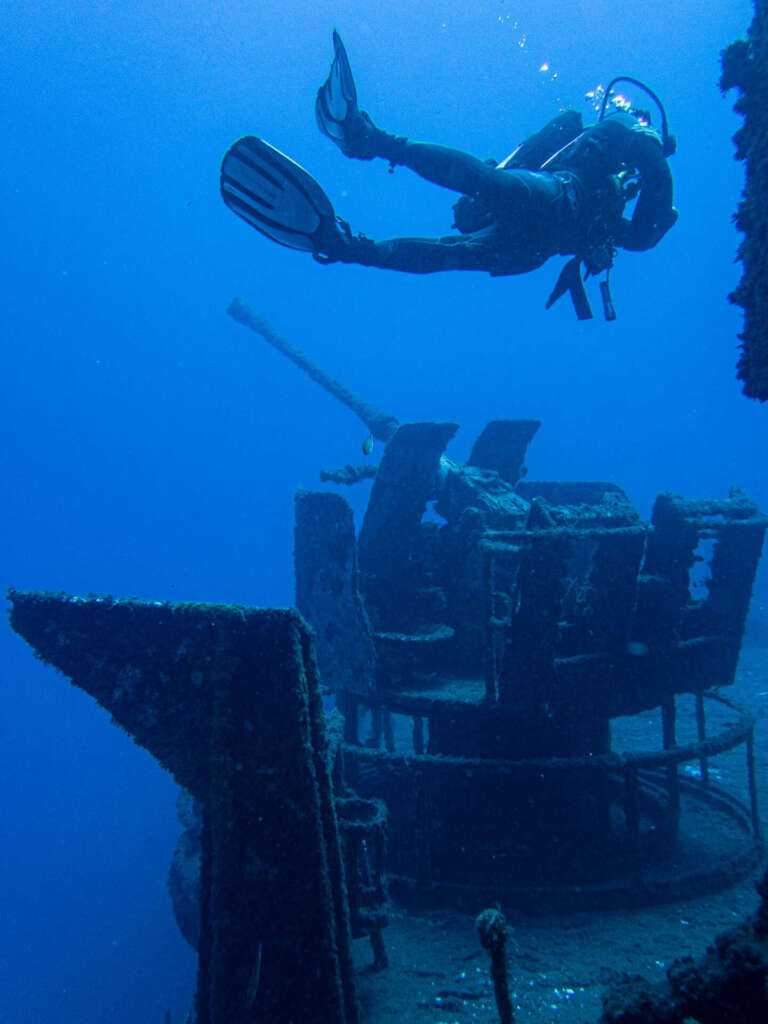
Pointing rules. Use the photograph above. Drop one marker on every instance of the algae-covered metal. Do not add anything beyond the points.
(227, 699)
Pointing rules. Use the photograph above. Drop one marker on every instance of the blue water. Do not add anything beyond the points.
(151, 447)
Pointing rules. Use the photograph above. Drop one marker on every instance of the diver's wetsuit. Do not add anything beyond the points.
(572, 207)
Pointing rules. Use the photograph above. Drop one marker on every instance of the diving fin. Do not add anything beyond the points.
(276, 196)
(337, 113)
(337, 96)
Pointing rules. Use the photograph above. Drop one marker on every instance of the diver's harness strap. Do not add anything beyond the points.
(597, 250)
(570, 280)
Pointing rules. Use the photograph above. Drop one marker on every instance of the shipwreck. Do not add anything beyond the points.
(482, 638)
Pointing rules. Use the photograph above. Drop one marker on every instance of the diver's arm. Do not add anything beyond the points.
(654, 213)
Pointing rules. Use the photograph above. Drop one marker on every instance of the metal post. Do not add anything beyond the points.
(418, 734)
(348, 706)
(389, 731)
(632, 806)
(701, 726)
(668, 715)
(752, 782)
(489, 652)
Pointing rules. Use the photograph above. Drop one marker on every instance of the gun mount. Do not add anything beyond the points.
(507, 627)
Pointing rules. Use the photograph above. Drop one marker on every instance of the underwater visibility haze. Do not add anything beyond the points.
(152, 447)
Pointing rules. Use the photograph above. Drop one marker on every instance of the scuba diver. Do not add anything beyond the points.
(561, 191)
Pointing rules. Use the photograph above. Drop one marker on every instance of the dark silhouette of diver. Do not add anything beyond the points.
(562, 191)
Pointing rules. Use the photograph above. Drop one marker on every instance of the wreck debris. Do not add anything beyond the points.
(382, 425)
(406, 480)
(492, 930)
(363, 825)
(502, 445)
(227, 699)
(184, 872)
(745, 67)
(349, 474)
(362, 828)
(730, 983)
(327, 595)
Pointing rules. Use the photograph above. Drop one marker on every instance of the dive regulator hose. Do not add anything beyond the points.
(669, 143)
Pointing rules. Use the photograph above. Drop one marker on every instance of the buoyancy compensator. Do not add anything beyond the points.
(472, 214)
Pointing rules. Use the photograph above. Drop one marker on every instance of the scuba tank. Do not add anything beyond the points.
(471, 214)
(539, 147)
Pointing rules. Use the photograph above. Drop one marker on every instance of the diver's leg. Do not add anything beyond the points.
(411, 255)
(451, 168)
(353, 131)
(535, 218)
(505, 191)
